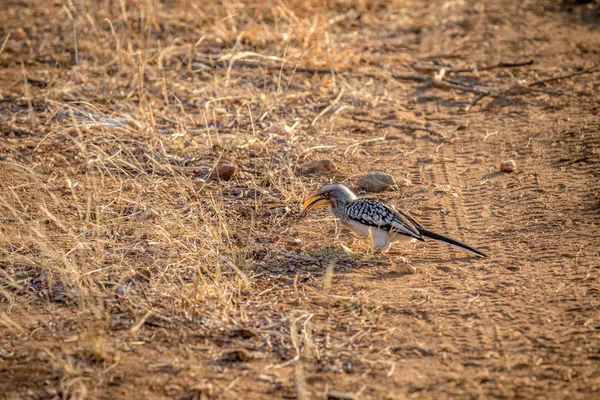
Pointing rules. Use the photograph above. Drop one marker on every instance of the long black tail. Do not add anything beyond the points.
(451, 242)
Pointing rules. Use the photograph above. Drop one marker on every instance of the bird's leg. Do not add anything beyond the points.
(380, 240)
(336, 236)
(337, 242)
(338, 231)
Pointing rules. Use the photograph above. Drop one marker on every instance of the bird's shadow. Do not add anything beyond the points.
(316, 263)
(380, 276)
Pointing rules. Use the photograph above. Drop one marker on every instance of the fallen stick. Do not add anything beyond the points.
(329, 107)
(572, 74)
(401, 127)
(437, 78)
(412, 77)
(438, 81)
(477, 97)
(501, 64)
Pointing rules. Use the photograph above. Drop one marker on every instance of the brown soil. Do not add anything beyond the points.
(127, 271)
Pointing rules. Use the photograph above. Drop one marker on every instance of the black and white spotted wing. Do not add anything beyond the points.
(376, 214)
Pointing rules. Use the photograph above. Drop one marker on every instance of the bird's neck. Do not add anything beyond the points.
(338, 208)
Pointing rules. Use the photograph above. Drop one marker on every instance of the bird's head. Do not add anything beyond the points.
(333, 194)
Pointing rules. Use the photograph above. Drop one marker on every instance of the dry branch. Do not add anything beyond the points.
(566, 76)
(437, 78)
(4, 42)
(434, 74)
(401, 127)
(438, 81)
(329, 107)
(501, 64)
(412, 77)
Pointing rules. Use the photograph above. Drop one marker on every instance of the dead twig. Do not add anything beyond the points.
(412, 77)
(527, 88)
(221, 63)
(501, 64)
(401, 127)
(477, 97)
(329, 107)
(437, 78)
(566, 76)
(4, 42)
(355, 145)
(437, 81)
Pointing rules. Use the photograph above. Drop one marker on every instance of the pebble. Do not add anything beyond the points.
(442, 188)
(377, 182)
(67, 184)
(238, 355)
(402, 266)
(508, 166)
(19, 34)
(224, 172)
(318, 166)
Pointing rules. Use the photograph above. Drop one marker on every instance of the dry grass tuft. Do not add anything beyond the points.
(111, 210)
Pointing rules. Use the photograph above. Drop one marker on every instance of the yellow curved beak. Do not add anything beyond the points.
(312, 202)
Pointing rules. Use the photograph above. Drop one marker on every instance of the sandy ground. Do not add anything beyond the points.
(142, 277)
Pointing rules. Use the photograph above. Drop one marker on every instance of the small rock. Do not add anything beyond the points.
(402, 266)
(198, 66)
(204, 390)
(67, 184)
(377, 182)
(224, 172)
(404, 182)
(49, 393)
(508, 166)
(19, 34)
(442, 188)
(295, 242)
(427, 159)
(336, 395)
(318, 166)
(238, 355)
(242, 333)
